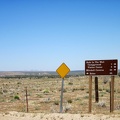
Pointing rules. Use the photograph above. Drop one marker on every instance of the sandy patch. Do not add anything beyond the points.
(56, 116)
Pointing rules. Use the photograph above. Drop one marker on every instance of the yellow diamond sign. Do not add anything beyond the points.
(63, 70)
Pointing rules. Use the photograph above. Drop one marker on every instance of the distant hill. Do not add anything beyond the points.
(38, 73)
(14, 73)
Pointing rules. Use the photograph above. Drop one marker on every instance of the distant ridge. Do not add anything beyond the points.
(14, 73)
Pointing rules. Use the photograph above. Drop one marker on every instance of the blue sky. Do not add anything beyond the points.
(41, 34)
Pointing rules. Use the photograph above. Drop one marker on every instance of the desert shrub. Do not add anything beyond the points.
(5, 91)
(56, 102)
(37, 108)
(64, 90)
(108, 90)
(47, 100)
(82, 88)
(40, 96)
(74, 89)
(101, 104)
(67, 107)
(78, 99)
(81, 103)
(46, 91)
(118, 90)
(102, 95)
(100, 89)
(103, 92)
(18, 83)
(16, 97)
(86, 97)
(87, 91)
(69, 101)
(105, 81)
(70, 83)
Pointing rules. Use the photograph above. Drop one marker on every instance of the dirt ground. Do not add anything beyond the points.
(56, 116)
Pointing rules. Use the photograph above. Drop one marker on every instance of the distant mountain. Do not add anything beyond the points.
(10, 73)
(38, 73)
(14, 73)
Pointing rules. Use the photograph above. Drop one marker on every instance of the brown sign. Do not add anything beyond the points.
(101, 67)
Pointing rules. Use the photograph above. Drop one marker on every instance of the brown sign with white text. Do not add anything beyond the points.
(101, 67)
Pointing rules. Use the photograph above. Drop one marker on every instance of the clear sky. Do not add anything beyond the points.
(42, 34)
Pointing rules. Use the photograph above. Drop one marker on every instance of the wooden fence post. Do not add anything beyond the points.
(26, 98)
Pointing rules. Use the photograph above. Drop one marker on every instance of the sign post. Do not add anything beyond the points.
(110, 97)
(96, 90)
(90, 94)
(112, 93)
(62, 70)
(61, 97)
(101, 67)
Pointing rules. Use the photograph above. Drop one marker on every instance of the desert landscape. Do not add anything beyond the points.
(59, 60)
(44, 98)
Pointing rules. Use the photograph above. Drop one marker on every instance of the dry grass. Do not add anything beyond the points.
(44, 95)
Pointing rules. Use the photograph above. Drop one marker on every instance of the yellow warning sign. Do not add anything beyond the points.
(63, 70)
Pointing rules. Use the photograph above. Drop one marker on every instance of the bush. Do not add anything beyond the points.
(105, 81)
(56, 102)
(69, 101)
(64, 90)
(38, 95)
(108, 90)
(46, 91)
(67, 107)
(82, 88)
(101, 104)
(100, 89)
(87, 91)
(70, 83)
(18, 83)
(5, 91)
(16, 97)
(86, 97)
(74, 89)
(78, 99)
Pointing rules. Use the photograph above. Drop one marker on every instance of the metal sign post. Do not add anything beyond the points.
(61, 98)
(63, 70)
